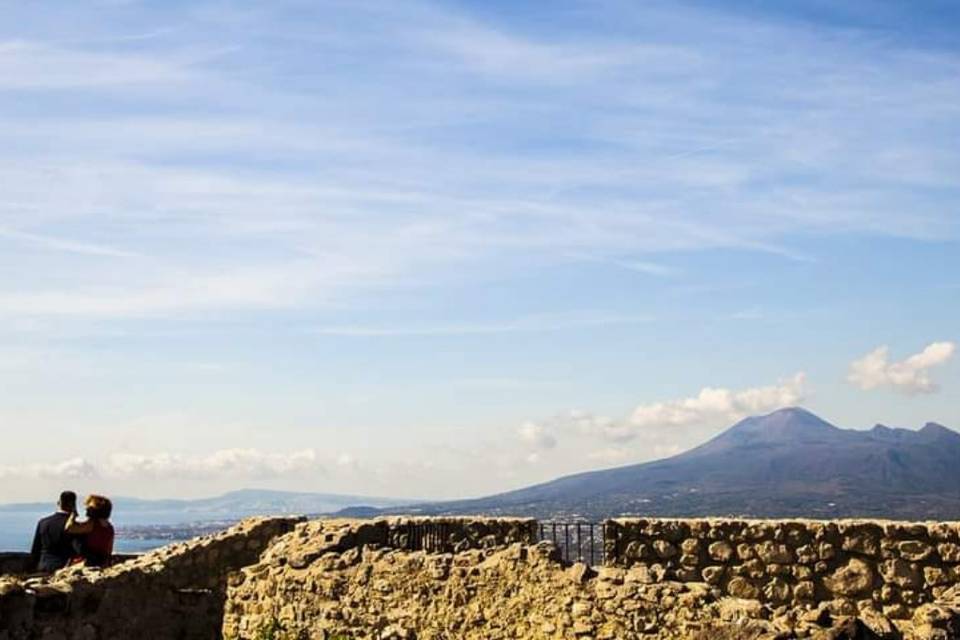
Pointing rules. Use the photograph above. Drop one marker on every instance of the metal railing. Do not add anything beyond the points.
(432, 537)
(577, 541)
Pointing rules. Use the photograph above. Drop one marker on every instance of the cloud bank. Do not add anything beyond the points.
(910, 375)
(712, 404)
(657, 425)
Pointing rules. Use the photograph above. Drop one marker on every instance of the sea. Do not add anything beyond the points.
(16, 528)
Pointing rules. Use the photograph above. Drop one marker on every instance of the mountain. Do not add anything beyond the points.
(787, 463)
(235, 504)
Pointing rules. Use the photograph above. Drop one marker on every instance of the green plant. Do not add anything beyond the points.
(270, 630)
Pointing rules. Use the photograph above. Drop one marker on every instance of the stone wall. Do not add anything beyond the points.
(315, 546)
(667, 579)
(893, 567)
(488, 579)
(171, 593)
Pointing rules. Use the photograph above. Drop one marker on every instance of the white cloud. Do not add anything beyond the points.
(243, 463)
(713, 404)
(541, 436)
(536, 436)
(74, 468)
(591, 425)
(236, 464)
(910, 375)
(710, 407)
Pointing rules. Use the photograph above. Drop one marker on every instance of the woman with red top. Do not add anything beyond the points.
(96, 534)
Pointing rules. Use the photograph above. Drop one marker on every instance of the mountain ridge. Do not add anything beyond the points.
(787, 463)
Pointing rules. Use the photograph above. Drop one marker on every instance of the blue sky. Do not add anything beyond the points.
(442, 249)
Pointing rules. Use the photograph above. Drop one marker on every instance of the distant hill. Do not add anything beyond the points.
(787, 463)
(235, 504)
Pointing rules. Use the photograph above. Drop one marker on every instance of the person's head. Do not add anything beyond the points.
(67, 501)
(98, 507)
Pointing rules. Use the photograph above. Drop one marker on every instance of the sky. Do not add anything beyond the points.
(442, 249)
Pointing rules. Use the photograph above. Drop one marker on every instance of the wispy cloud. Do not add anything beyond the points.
(646, 267)
(64, 244)
(682, 151)
(534, 323)
(649, 268)
(251, 288)
(910, 375)
(237, 464)
(29, 65)
(505, 56)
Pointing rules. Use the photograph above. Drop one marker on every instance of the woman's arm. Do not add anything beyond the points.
(78, 528)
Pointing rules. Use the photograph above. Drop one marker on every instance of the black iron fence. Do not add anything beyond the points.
(432, 537)
(577, 541)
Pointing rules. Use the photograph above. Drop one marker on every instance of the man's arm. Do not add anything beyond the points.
(35, 549)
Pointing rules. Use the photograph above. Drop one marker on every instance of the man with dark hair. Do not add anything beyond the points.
(52, 545)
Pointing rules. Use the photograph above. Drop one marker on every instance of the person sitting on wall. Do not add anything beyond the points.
(53, 545)
(95, 534)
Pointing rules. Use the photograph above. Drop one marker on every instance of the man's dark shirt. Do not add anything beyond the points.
(52, 546)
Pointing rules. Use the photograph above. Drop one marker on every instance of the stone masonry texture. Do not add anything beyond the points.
(663, 579)
(488, 578)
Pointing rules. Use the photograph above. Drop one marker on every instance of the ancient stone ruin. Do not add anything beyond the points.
(476, 578)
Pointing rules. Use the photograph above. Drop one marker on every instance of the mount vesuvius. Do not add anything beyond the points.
(787, 463)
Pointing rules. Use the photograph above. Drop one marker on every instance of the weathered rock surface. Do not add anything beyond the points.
(892, 567)
(481, 578)
(752, 580)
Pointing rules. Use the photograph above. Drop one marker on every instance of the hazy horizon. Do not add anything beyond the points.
(50, 501)
(448, 249)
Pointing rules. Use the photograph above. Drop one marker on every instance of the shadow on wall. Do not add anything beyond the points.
(18, 563)
(14, 563)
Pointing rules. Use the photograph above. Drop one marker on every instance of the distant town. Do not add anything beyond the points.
(173, 532)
